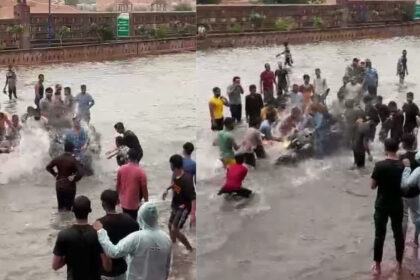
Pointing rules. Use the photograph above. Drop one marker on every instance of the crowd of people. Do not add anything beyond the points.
(127, 245)
(348, 122)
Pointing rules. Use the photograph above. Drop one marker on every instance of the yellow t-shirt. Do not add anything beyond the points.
(217, 107)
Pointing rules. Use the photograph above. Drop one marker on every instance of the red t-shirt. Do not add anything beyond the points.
(236, 173)
(268, 79)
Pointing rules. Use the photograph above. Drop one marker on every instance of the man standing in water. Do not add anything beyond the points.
(234, 92)
(78, 247)
(253, 105)
(189, 164)
(45, 105)
(67, 175)
(307, 90)
(78, 137)
(411, 111)
(402, 69)
(39, 90)
(227, 144)
(85, 102)
(371, 79)
(282, 76)
(10, 83)
(130, 139)
(267, 82)
(216, 104)
(183, 201)
(320, 86)
(386, 177)
(132, 185)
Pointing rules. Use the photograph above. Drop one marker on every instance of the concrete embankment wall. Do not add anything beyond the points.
(234, 40)
(108, 51)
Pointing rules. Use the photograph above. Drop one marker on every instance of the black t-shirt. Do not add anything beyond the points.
(411, 112)
(372, 113)
(118, 226)
(253, 105)
(132, 141)
(397, 122)
(388, 174)
(80, 246)
(183, 192)
(383, 111)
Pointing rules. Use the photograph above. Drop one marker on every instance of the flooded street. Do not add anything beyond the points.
(311, 222)
(153, 96)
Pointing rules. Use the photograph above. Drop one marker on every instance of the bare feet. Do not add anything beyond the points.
(376, 269)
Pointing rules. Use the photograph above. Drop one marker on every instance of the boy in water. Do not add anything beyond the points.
(235, 175)
(411, 112)
(188, 163)
(227, 143)
(10, 83)
(287, 55)
(402, 69)
(121, 151)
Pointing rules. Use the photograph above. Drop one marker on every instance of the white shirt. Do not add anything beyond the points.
(320, 86)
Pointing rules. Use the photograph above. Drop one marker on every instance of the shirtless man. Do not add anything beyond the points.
(10, 83)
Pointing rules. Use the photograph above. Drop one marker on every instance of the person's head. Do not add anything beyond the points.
(119, 127)
(236, 80)
(391, 146)
(119, 141)
(188, 149)
(362, 64)
(68, 147)
(368, 63)
(83, 89)
(253, 89)
(341, 95)
(229, 123)
(37, 114)
(76, 123)
(306, 78)
(49, 92)
(295, 88)
(109, 199)
(81, 207)
(296, 113)
(410, 97)
(239, 158)
(367, 99)
(176, 162)
(58, 89)
(133, 155)
(286, 44)
(30, 110)
(404, 53)
(271, 115)
(280, 64)
(148, 216)
(15, 120)
(408, 141)
(216, 92)
(379, 100)
(41, 78)
(355, 62)
(318, 72)
(267, 67)
(392, 106)
(255, 123)
(67, 91)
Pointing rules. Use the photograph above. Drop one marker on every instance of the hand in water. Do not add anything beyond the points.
(406, 162)
(97, 225)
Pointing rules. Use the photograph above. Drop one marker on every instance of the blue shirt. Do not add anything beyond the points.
(371, 77)
(319, 122)
(189, 166)
(84, 101)
(265, 129)
(78, 140)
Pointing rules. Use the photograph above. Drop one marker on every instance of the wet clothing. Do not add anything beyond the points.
(234, 92)
(122, 155)
(389, 204)
(353, 92)
(118, 226)
(411, 111)
(268, 80)
(235, 175)
(79, 140)
(253, 106)
(11, 84)
(396, 125)
(217, 125)
(148, 250)
(225, 140)
(265, 129)
(307, 93)
(320, 86)
(178, 217)
(183, 192)
(371, 81)
(131, 183)
(39, 93)
(132, 142)
(218, 104)
(45, 105)
(383, 112)
(66, 166)
(189, 166)
(79, 246)
(372, 114)
(236, 112)
(354, 72)
(84, 102)
(296, 99)
(281, 75)
(362, 134)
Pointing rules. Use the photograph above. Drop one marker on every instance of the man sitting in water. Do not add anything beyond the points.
(78, 137)
(13, 134)
(227, 143)
(268, 125)
(235, 175)
(121, 151)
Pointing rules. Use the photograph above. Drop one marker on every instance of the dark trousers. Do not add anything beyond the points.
(250, 159)
(254, 117)
(381, 219)
(240, 192)
(12, 92)
(236, 111)
(372, 90)
(65, 198)
(131, 213)
(359, 157)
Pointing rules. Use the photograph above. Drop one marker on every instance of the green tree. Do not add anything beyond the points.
(183, 7)
(63, 33)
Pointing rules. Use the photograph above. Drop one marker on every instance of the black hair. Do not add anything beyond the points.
(67, 88)
(252, 87)
(176, 161)
(68, 147)
(119, 125)
(410, 94)
(239, 158)
(391, 145)
(392, 104)
(133, 154)
(83, 86)
(119, 140)
(215, 89)
(408, 140)
(81, 207)
(188, 148)
(228, 121)
(49, 90)
(379, 97)
(236, 77)
(367, 98)
(109, 199)
(40, 75)
(306, 76)
(355, 59)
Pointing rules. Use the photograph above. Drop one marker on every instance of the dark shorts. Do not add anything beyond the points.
(178, 217)
(218, 124)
